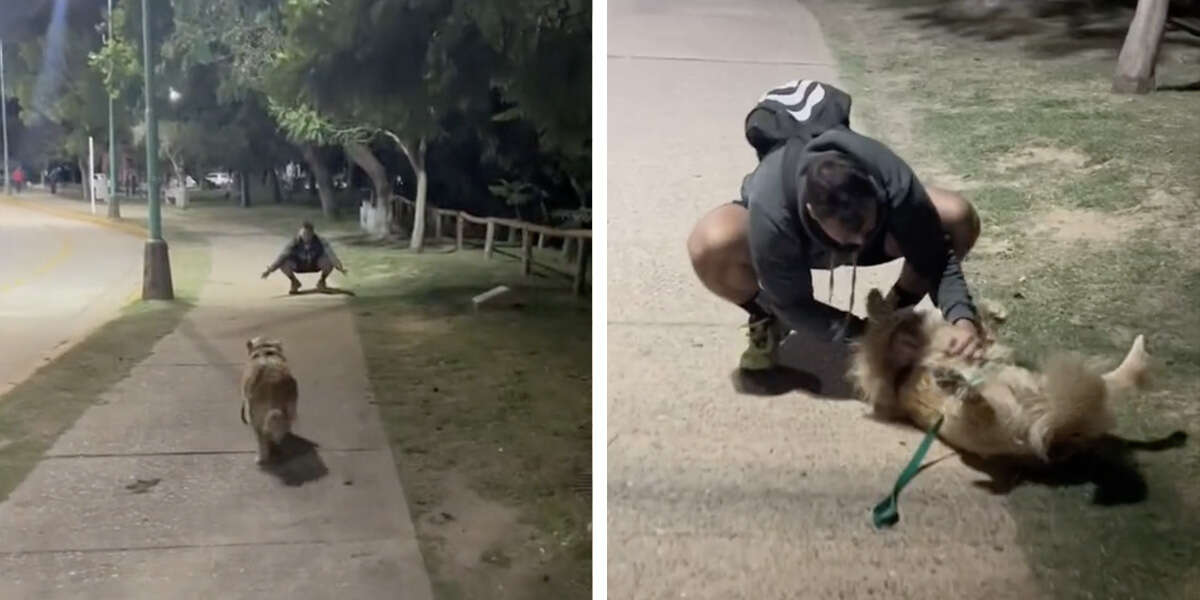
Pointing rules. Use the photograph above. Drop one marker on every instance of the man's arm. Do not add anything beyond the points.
(786, 277)
(333, 258)
(927, 246)
(283, 256)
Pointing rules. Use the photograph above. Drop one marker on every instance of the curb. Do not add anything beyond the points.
(122, 226)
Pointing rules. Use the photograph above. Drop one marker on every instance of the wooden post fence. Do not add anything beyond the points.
(576, 249)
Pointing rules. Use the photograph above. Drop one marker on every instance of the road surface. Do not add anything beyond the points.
(712, 493)
(59, 279)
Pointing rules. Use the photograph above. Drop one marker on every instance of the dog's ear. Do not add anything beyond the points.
(876, 305)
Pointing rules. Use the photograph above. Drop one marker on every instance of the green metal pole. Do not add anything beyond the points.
(112, 139)
(155, 215)
(156, 272)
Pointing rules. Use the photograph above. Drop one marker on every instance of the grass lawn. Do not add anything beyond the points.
(1089, 202)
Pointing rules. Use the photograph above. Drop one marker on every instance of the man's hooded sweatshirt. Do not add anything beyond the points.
(791, 126)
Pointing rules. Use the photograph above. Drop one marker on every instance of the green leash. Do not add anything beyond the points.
(887, 512)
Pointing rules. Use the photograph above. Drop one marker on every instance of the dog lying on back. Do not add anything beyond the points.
(993, 407)
(269, 395)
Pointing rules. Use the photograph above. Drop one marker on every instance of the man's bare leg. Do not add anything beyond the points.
(289, 268)
(326, 268)
(960, 221)
(719, 248)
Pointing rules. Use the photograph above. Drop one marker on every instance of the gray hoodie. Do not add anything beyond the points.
(785, 243)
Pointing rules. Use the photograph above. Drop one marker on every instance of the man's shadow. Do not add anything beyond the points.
(1110, 465)
(330, 291)
(295, 461)
(803, 363)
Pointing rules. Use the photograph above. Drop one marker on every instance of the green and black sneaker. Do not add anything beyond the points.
(764, 341)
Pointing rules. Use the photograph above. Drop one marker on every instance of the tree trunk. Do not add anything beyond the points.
(83, 179)
(275, 188)
(114, 205)
(418, 233)
(1135, 65)
(181, 177)
(362, 156)
(324, 180)
(243, 190)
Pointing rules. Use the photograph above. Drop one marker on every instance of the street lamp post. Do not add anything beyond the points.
(114, 209)
(4, 121)
(156, 272)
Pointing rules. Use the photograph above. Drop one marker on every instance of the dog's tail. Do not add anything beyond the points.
(1076, 404)
(1133, 371)
(275, 424)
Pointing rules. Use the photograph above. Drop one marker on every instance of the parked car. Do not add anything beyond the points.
(219, 178)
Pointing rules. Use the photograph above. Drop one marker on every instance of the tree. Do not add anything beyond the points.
(393, 93)
(241, 39)
(117, 63)
(545, 75)
(1139, 53)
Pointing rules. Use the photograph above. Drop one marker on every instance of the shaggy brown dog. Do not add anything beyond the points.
(992, 407)
(269, 395)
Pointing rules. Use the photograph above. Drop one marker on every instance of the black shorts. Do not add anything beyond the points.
(873, 254)
(311, 266)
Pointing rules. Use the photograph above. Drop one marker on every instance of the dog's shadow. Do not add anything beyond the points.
(804, 364)
(1110, 465)
(295, 461)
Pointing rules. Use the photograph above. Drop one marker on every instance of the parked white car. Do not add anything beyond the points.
(219, 178)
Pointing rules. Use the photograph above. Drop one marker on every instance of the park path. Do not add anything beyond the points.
(712, 494)
(333, 524)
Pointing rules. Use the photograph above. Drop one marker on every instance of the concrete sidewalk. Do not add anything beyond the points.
(713, 494)
(334, 523)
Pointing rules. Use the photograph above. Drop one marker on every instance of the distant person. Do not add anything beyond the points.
(306, 253)
(823, 196)
(18, 179)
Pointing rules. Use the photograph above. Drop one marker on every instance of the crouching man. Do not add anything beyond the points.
(306, 253)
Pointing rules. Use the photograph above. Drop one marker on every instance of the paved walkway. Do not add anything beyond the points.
(718, 495)
(334, 524)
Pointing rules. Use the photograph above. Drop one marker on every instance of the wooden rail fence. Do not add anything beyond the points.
(582, 238)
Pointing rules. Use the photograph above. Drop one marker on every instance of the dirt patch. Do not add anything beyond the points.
(993, 246)
(1056, 158)
(407, 328)
(1070, 225)
(483, 545)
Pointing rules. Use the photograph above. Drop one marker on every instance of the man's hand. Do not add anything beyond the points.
(966, 342)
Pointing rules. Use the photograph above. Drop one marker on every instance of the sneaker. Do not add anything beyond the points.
(764, 341)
